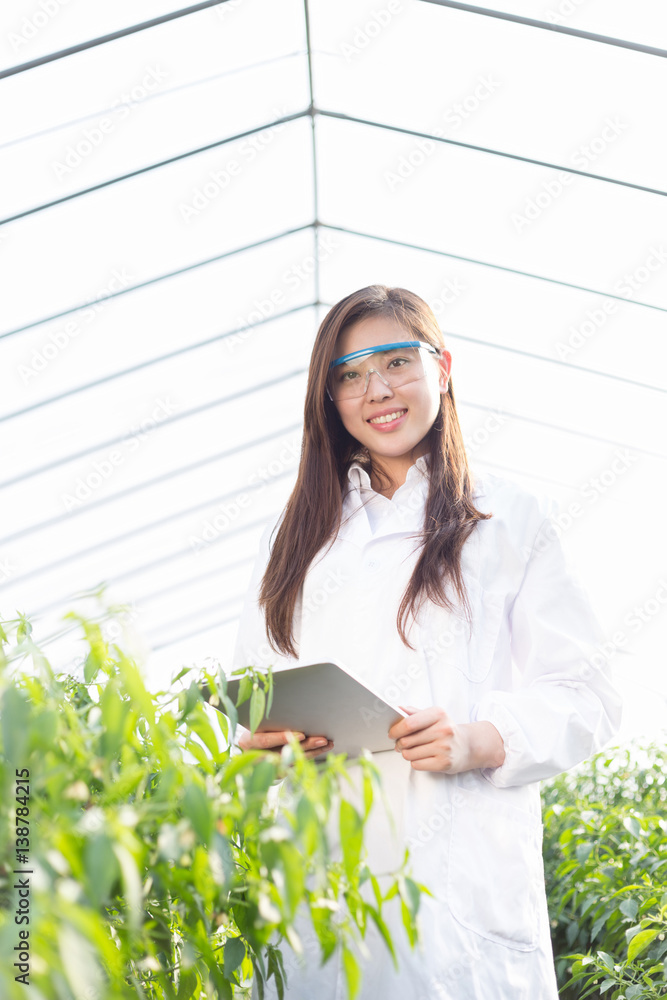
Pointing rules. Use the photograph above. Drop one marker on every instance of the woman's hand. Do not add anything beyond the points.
(312, 746)
(432, 742)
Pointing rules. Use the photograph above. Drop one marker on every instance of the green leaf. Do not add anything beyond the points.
(352, 972)
(199, 724)
(274, 969)
(632, 932)
(408, 923)
(350, 826)
(14, 718)
(269, 696)
(368, 794)
(307, 825)
(410, 895)
(629, 907)
(632, 826)
(187, 984)
(230, 712)
(80, 962)
(131, 884)
(102, 868)
(640, 942)
(384, 931)
(245, 689)
(261, 777)
(583, 851)
(258, 978)
(197, 808)
(294, 869)
(233, 954)
(90, 668)
(606, 960)
(114, 716)
(257, 706)
(607, 985)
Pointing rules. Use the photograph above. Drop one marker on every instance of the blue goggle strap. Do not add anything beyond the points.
(383, 347)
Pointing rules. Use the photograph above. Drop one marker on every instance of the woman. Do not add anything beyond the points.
(450, 596)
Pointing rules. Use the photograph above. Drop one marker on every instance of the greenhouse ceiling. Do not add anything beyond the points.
(186, 196)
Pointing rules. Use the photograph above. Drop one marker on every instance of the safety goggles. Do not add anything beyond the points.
(394, 364)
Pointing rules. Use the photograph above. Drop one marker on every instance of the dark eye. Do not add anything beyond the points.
(398, 362)
(342, 377)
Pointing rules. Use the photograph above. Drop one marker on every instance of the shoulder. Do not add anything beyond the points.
(514, 508)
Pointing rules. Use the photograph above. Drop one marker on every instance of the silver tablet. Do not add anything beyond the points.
(324, 699)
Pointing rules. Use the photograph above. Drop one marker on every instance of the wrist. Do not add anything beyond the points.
(485, 745)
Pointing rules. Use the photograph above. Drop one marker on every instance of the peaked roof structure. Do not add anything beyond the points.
(186, 197)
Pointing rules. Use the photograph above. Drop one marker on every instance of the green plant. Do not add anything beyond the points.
(160, 863)
(605, 851)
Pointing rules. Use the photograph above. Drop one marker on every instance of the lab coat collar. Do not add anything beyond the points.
(418, 472)
(409, 500)
(360, 479)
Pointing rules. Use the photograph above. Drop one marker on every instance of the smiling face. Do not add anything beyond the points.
(396, 443)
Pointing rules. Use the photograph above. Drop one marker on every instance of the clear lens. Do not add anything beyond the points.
(395, 367)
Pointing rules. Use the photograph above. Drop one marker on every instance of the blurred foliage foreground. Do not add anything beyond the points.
(161, 867)
(141, 857)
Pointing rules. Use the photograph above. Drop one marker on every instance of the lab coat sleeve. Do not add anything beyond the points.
(565, 707)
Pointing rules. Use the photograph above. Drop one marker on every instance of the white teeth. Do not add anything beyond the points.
(388, 417)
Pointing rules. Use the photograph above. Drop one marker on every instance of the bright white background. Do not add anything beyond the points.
(156, 327)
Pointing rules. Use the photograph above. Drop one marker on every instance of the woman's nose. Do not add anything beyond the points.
(377, 388)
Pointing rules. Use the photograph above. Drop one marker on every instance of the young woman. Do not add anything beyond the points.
(449, 594)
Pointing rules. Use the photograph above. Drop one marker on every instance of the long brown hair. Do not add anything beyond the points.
(313, 512)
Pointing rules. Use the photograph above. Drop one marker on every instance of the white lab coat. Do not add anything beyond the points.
(529, 667)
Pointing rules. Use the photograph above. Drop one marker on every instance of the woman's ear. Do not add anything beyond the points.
(445, 362)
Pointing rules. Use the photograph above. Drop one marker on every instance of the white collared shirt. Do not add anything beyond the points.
(528, 665)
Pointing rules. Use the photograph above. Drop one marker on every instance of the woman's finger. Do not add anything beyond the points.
(267, 741)
(315, 752)
(311, 742)
(419, 752)
(422, 736)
